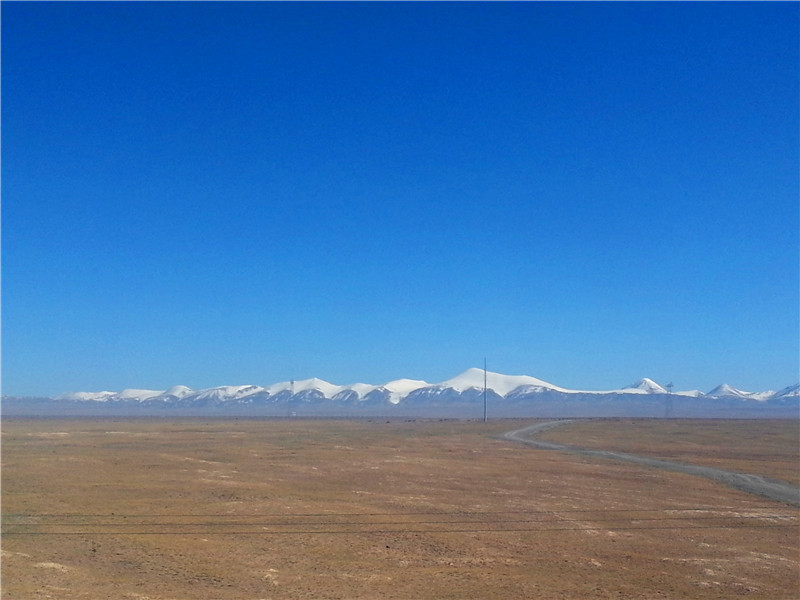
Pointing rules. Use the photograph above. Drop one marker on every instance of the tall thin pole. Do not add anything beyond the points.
(484, 389)
(668, 407)
(290, 399)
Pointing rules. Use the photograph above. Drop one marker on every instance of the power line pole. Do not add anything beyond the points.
(668, 408)
(484, 389)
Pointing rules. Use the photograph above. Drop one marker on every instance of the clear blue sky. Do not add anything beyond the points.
(236, 193)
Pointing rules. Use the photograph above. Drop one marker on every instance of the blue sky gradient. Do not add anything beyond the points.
(235, 193)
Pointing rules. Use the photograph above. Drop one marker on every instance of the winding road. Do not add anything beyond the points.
(774, 489)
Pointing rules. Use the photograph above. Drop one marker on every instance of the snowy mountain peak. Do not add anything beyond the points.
(648, 386)
(793, 391)
(314, 384)
(727, 390)
(498, 383)
(320, 385)
(462, 387)
(178, 391)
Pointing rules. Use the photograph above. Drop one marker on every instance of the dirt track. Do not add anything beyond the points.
(753, 484)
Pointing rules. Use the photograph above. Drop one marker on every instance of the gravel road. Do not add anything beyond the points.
(774, 489)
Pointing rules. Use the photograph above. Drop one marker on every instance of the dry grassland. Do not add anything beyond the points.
(770, 448)
(258, 509)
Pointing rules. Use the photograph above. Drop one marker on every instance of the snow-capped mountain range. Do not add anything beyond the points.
(468, 385)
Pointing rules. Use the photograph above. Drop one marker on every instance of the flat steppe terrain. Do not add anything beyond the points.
(770, 448)
(255, 509)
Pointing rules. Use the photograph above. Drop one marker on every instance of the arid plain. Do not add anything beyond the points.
(154, 509)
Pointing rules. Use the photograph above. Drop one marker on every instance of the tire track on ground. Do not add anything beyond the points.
(774, 489)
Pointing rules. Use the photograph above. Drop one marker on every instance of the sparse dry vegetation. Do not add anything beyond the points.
(256, 509)
(763, 447)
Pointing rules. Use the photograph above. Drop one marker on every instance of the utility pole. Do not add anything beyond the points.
(484, 389)
(668, 410)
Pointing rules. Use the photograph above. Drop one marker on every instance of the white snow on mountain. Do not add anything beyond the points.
(362, 389)
(138, 395)
(396, 391)
(86, 396)
(405, 386)
(644, 386)
(690, 393)
(793, 391)
(277, 388)
(178, 391)
(328, 390)
(727, 390)
(226, 392)
(400, 388)
(500, 384)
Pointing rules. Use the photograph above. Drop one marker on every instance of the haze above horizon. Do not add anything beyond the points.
(228, 193)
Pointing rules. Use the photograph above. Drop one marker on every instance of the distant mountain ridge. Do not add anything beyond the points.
(396, 391)
(508, 395)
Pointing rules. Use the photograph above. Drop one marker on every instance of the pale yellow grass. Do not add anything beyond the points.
(249, 509)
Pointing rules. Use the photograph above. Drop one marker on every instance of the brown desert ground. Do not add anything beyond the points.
(153, 509)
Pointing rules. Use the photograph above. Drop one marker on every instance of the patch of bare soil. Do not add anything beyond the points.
(256, 509)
